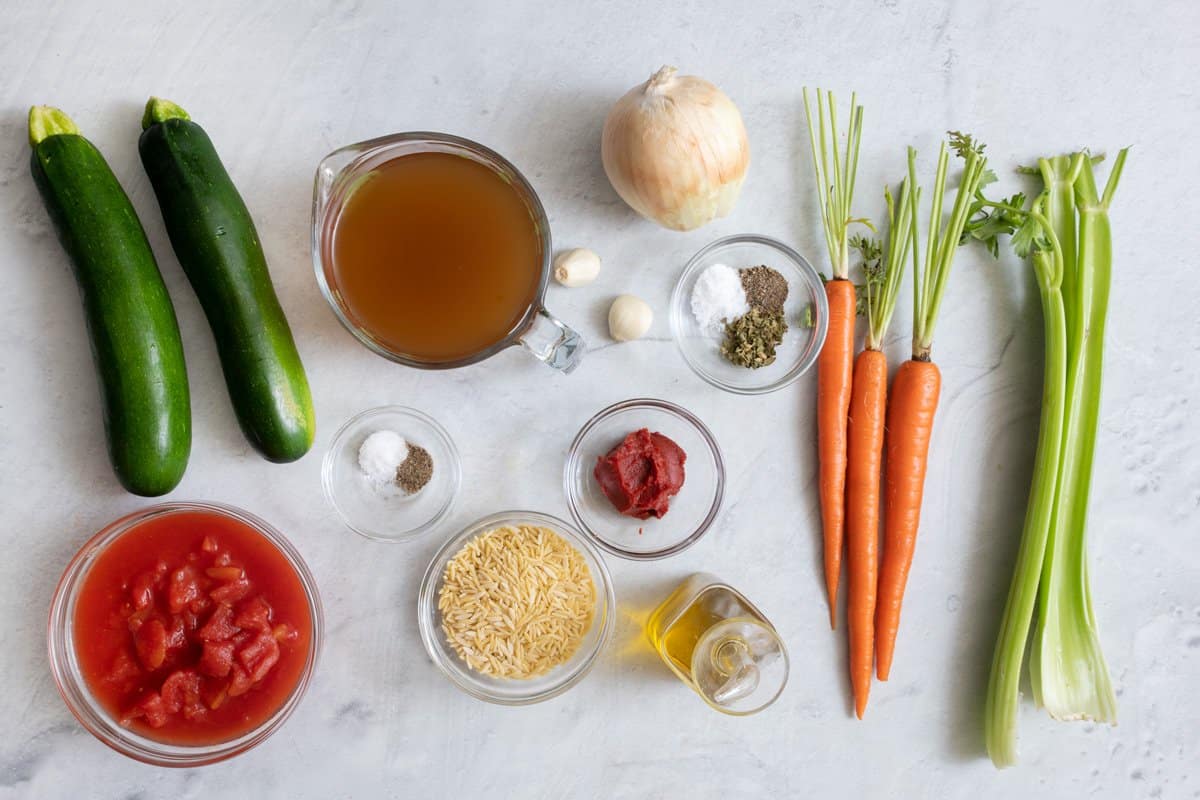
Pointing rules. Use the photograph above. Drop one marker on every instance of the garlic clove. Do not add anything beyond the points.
(629, 318)
(576, 267)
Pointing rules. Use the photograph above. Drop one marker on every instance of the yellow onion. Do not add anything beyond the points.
(675, 149)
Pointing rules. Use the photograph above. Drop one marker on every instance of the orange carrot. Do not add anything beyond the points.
(914, 400)
(834, 170)
(865, 449)
(834, 371)
(883, 271)
(918, 384)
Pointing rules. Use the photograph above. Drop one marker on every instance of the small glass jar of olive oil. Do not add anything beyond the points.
(719, 644)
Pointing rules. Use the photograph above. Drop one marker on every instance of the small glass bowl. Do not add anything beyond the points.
(386, 513)
(73, 686)
(691, 512)
(507, 691)
(801, 345)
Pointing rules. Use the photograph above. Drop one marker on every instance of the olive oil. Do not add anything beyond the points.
(720, 645)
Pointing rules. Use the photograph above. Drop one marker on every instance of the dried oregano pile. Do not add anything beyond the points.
(751, 339)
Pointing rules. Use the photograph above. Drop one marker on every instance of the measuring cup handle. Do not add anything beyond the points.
(553, 342)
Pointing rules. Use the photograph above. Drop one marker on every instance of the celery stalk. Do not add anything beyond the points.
(1058, 176)
(1067, 233)
(1004, 684)
(1070, 676)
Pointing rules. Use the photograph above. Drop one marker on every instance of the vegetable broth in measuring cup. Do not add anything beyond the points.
(437, 256)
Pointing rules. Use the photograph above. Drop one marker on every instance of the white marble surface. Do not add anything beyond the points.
(278, 85)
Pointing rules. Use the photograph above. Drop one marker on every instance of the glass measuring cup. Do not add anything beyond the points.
(343, 170)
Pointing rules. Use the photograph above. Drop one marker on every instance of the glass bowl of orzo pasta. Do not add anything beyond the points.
(516, 608)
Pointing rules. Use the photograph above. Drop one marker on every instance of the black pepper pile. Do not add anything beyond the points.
(416, 470)
(766, 289)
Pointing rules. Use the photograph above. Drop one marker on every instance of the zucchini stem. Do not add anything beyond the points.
(47, 121)
(160, 110)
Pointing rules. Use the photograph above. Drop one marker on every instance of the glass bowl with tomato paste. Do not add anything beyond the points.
(675, 519)
(185, 633)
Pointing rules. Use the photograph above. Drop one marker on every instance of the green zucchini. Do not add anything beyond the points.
(134, 334)
(217, 245)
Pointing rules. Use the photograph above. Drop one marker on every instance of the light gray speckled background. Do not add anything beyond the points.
(280, 85)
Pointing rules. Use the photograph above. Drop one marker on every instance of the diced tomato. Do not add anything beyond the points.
(188, 628)
(149, 707)
(215, 696)
(151, 643)
(254, 614)
(176, 634)
(240, 683)
(183, 589)
(231, 592)
(123, 669)
(259, 655)
(224, 573)
(217, 658)
(253, 651)
(257, 649)
(242, 639)
(135, 620)
(181, 688)
(285, 633)
(268, 661)
(219, 626)
(142, 590)
(195, 710)
(200, 605)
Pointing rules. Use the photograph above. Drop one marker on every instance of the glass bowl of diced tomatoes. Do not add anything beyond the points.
(185, 633)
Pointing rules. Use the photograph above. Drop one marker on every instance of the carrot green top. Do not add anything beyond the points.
(944, 238)
(835, 171)
(885, 270)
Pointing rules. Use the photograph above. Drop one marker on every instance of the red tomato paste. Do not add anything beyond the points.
(192, 628)
(641, 474)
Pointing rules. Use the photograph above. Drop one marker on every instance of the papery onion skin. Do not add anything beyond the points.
(675, 149)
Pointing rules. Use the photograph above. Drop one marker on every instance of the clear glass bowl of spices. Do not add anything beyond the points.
(391, 473)
(749, 314)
